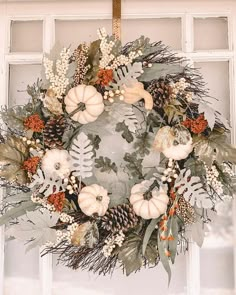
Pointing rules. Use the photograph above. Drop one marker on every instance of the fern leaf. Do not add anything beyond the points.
(192, 190)
(82, 154)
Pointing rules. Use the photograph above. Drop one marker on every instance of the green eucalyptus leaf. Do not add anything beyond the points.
(160, 70)
(173, 244)
(164, 259)
(148, 233)
(151, 254)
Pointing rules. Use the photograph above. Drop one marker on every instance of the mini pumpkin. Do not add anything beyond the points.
(174, 142)
(148, 204)
(93, 199)
(136, 92)
(84, 103)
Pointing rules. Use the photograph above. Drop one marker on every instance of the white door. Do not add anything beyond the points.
(203, 30)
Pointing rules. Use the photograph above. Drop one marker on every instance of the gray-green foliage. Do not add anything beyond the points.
(16, 198)
(35, 90)
(105, 164)
(131, 255)
(163, 257)
(215, 147)
(120, 112)
(35, 228)
(159, 70)
(95, 141)
(134, 165)
(14, 117)
(149, 230)
(17, 211)
(142, 144)
(125, 133)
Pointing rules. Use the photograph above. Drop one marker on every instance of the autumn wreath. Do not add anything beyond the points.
(116, 156)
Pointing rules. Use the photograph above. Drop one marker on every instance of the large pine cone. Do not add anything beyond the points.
(53, 132)
(121, 217)
(161, 92)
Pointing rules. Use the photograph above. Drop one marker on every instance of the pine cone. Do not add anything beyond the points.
(53, 132)
(186, 211)
(161, 92)
(121, 217)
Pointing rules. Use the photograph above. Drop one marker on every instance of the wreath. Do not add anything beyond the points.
(115, 159)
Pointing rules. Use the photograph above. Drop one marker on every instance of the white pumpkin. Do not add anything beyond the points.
(87, 101)
(136, 92)
(174, 142)
(93, 199)
(179, 151)
(152, 207)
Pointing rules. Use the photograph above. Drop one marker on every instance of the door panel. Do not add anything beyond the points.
(201, 33)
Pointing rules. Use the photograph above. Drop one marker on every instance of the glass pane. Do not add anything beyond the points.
(216, 75)
(210, 33)
(26, 36)
(20, 264)
(143, 282)
(20, 77)
(217, 257)
(167, 30)
(217, 269)
(75, 32)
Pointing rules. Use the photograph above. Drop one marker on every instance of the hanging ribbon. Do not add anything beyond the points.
(116, 18)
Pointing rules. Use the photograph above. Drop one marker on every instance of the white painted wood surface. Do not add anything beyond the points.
(2, 101)
(132, 9)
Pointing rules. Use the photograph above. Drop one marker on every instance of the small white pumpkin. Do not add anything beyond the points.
(174, 142)
(154, 206)
(93, 199)
(87, 101)
(136, 92)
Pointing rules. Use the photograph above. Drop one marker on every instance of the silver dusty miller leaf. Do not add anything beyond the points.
(192, 190)
(46, 184)
(81, 152)
(126, 75)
